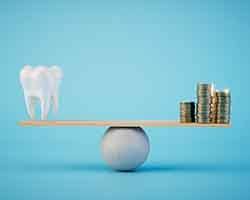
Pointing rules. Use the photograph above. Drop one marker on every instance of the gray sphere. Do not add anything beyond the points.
(125, 149)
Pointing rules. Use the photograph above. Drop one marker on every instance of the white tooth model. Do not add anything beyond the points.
(41, 83)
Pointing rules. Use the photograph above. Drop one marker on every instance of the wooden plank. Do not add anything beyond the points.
(119, 123)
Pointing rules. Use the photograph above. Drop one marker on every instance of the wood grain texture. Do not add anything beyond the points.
(119, 123)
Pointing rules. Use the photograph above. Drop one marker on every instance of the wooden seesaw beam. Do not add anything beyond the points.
(119, 123)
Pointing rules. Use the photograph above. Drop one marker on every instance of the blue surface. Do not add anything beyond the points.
(125, 60)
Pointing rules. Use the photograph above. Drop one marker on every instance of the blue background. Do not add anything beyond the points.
(125, 60)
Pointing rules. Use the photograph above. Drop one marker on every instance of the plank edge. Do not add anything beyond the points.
(119, 123)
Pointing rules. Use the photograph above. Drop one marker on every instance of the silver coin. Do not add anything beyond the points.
(224, 93)
(187, 121)
(223, 117)
(187, 118)
(203, 106)
(223, 110)
(206, 86)
(203, 122)
(203, 95)
(219, 111)
(203, 114)
(223, 97)
(223, 121)
(187, 110)
(224, 106)
(203, 118)
(203, 111)
(187, 102)
(221, 105)
(186, 113)
(204, 102)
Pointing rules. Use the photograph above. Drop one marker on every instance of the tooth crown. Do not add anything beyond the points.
(40, 83)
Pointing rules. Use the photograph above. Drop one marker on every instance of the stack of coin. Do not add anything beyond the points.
(213, 114)
(223, 106)
(204, 101)
(187, 112)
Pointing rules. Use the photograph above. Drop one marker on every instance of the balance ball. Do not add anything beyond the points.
(125, 148)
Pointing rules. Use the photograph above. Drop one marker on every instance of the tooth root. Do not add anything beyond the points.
(29, 101)
(32, 106)
(45, 105)
(55, 102)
